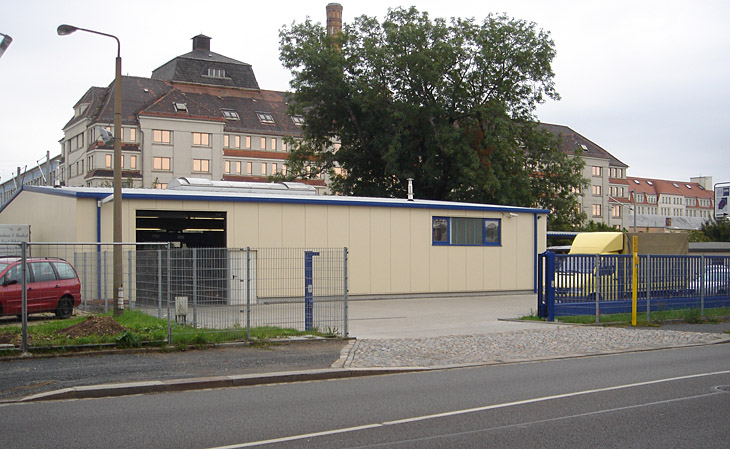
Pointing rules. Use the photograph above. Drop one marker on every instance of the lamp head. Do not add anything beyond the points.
(64, 30)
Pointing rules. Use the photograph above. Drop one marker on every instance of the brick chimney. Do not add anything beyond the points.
(334, 19)
(201, 42)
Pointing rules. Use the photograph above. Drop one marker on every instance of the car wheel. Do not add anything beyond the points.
(65, 308)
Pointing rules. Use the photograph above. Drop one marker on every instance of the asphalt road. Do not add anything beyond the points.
(667, 398)
(20, 377)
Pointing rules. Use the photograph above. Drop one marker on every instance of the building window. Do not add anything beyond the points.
(596, 190)
(132, 134)
(180, 107)
(596, 171)
(216, 73)
(201, 165)
(133, 162)
(161, 136)
(266, 118)
(273, 143)
(230, 114)
(263, 143)
(108, 160)
(227, 167)
(201, 139)
(616, 211)
(161, 163)
(273, 168)
(596, 210)
(249, 168)
(160, 185)
(237, 167)
(263, 168)
(298, 120)
(231, 141)
(460, 231)
(247, 142)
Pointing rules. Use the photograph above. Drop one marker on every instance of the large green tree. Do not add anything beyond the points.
(448, 103)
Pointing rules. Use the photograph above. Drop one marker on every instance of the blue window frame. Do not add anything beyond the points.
(462, 231)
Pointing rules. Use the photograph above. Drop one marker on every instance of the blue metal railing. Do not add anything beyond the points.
(602, 284)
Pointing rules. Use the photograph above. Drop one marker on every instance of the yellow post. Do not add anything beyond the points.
(634, 279)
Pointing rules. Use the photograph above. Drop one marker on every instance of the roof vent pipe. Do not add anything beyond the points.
(410, 189)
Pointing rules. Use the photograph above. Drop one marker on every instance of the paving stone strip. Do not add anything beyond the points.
(515, 346)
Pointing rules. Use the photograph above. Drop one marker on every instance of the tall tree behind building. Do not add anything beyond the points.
(450, 104)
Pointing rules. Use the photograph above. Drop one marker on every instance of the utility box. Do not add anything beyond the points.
(181, 309)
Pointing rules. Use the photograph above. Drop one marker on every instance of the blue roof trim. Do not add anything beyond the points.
(313, 200)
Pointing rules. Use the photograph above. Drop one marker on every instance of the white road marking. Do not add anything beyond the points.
(465, 411)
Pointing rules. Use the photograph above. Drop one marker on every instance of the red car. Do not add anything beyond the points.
(52, 283)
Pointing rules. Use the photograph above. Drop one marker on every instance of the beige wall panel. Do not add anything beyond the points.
(493, 268)
(315, 225)
(293, 225)
(380, 249)
(359, 260)
(475, 269)
(438, 269)
(245, 223)
(510, 270)
(400, 250)
(270, 225)
(57, 223)
(420, 250)
(338, 227)
(457, 268)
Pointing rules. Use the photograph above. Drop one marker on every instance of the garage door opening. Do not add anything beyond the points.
(185, 229)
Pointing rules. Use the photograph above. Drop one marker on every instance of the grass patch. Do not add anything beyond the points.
(134, 329)
(692, 316)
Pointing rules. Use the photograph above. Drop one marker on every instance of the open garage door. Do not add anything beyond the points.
(184, 228)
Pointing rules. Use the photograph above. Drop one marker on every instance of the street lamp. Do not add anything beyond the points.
(4, 43)
(64, 30)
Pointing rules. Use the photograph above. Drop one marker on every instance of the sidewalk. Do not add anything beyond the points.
(391, 336)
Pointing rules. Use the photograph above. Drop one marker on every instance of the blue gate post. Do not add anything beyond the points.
(308, 290)
(541, 312)
(550, 285)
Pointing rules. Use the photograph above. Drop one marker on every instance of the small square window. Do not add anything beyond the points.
(266, 118)
(297, 119)
(230, 114)
(181, 107)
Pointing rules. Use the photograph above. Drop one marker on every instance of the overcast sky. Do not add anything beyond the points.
(649, 81)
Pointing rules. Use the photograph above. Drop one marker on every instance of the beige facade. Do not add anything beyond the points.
(390, 241)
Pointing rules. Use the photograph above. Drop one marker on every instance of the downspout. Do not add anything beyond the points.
(98, 247)
(536, 217)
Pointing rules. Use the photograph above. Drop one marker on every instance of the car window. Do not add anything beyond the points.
(65, 271)
(15, 274)
(43, 271)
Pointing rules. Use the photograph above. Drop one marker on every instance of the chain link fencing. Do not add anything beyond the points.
(176, 294)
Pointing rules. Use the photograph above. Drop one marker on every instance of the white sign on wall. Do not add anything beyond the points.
(722, 198)
(13, 234)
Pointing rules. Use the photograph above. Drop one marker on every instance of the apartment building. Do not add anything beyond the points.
(665, 206)
(200, 114)
(606, 200)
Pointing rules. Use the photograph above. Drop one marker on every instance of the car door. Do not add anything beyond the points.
(44, 291)
(11, 290)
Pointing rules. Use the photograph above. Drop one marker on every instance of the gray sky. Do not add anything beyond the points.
(649, 81)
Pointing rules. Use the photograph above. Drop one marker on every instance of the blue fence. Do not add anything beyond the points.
(602, 284)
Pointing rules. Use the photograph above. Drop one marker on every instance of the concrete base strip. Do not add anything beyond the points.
(200, 383)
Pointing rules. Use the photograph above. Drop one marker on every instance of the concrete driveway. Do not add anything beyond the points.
(433, 317)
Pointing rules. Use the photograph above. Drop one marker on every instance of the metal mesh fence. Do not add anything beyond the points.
(245, 291)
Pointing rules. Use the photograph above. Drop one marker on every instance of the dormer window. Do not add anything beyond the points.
(297, 119)
(266, 118)
(216, 73)
(180, 107)
(80, 109)
(230, 114)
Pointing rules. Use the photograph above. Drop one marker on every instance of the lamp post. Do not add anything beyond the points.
(64, 30)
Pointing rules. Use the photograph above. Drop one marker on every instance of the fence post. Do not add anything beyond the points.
(597, 286)
(648, 282)
(106, 297)
(169, 323)
(248, 293)
(345, 332)
(159, 283)
(702, 286)
(550, 285)
(24, 305)
(540, 286)
(309, 290)
(86, 283)
(195, 287)
(129, 283)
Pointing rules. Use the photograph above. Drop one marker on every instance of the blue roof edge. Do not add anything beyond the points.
(315, 200)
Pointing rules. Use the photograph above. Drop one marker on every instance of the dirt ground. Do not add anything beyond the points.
(91, 326)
